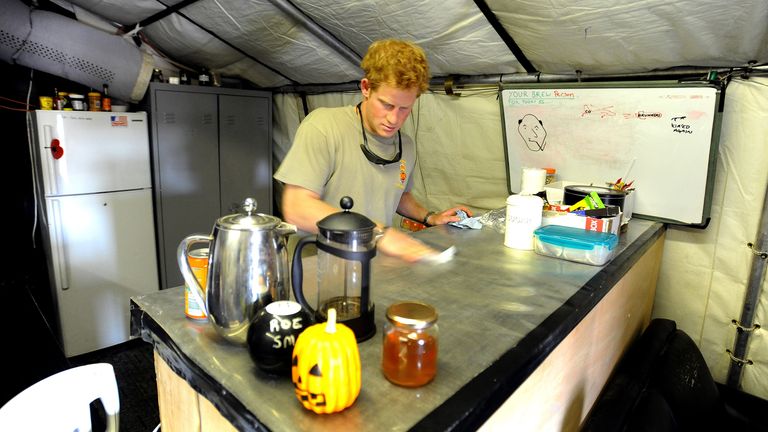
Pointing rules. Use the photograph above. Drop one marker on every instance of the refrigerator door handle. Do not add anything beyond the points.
(49, 161)
(57, 247)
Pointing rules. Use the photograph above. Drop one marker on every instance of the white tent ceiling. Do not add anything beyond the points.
(281, 42)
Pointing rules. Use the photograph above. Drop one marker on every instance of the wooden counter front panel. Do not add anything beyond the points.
(560, 392)
(181, 407)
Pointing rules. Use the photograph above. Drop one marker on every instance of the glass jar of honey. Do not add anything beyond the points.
(409, 354)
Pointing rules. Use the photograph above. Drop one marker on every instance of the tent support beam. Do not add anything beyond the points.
(751, 300)
(324, 35)
(177, 10)
(462, 81)
(505, 36)
(158, 16)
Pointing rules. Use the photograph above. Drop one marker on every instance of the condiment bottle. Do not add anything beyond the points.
(409, 354)
(204, 78)
(106, 101)
(77, 102)
(94, 101)
(157, 75)
(64, 101)
(58, 102)
(551, 173)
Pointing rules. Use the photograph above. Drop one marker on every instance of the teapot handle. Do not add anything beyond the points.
(186, 271)
(297, 277)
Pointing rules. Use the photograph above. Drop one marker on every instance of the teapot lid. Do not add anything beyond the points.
(248, 219)
(340, 226)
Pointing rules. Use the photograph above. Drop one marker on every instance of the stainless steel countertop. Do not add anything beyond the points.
(501, 311)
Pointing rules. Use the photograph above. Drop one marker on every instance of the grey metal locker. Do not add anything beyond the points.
(211, 148)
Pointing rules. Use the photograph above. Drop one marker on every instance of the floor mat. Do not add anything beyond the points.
(135, 373)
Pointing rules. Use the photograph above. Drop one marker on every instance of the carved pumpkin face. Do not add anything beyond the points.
(309, 389)
(325, 367)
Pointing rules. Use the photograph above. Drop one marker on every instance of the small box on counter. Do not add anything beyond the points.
(555, 190)
(575, 244)
(558, 216)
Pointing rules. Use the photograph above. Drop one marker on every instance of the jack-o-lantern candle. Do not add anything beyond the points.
(325, 367)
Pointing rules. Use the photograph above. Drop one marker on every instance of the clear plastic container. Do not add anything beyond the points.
(409, 353)
(575, 244)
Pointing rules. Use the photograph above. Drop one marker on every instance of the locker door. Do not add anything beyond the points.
(246, 151)
(187, 164)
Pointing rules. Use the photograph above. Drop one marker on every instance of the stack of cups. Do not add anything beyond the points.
(533, 181)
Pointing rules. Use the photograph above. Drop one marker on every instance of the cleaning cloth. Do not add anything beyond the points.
(466, 221)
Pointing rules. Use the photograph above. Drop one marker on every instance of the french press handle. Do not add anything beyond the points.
(297, 275)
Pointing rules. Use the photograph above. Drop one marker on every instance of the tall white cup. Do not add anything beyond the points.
(533, 181)
(523, 217)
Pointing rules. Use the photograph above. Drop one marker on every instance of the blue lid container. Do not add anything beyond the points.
(576, 238)
(575, 244)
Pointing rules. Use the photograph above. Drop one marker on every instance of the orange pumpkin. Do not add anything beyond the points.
(325, 367)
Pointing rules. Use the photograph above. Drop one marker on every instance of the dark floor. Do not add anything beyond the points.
(32, 353)
(135, 374)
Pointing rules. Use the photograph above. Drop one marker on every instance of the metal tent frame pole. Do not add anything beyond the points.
(746, 324)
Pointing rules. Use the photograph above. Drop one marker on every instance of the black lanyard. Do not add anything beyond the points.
(371, 156)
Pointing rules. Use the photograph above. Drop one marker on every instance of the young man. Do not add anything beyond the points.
(360, 152)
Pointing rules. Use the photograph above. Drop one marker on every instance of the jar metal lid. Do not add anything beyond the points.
(415, 315)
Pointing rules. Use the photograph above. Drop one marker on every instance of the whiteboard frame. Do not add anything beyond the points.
(713, 145)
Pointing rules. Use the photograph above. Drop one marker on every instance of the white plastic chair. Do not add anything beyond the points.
(62, 401)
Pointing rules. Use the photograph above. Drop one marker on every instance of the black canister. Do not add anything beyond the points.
(273, 333)
(575, 193)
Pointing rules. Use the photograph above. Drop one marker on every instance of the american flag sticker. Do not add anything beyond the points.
(119, 120)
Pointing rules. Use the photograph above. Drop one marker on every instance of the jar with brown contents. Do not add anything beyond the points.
(409, 354)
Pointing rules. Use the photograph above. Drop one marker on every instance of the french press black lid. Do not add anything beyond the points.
(347, 226)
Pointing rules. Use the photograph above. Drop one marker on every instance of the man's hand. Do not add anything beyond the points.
(401, 245)
(448, 216)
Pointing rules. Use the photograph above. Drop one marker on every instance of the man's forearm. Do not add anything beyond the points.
(304, 208)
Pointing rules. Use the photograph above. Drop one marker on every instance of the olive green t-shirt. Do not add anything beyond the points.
(326, 158)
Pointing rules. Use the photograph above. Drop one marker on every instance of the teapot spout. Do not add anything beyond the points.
(284, 228)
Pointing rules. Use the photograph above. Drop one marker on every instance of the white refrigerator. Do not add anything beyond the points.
(95, 206)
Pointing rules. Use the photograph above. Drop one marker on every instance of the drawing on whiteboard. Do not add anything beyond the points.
(680, 127)
(642, 115)
(603, 112)
(531, 129)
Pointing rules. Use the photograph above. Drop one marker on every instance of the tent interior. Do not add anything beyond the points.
(307, 53)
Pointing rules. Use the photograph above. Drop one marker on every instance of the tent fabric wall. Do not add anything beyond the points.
(704, 272)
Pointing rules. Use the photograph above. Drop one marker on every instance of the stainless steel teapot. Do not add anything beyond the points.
(247, 269)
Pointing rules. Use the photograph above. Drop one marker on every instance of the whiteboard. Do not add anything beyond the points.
(662, 136)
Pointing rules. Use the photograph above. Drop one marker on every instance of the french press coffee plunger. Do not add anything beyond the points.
(346, 243)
